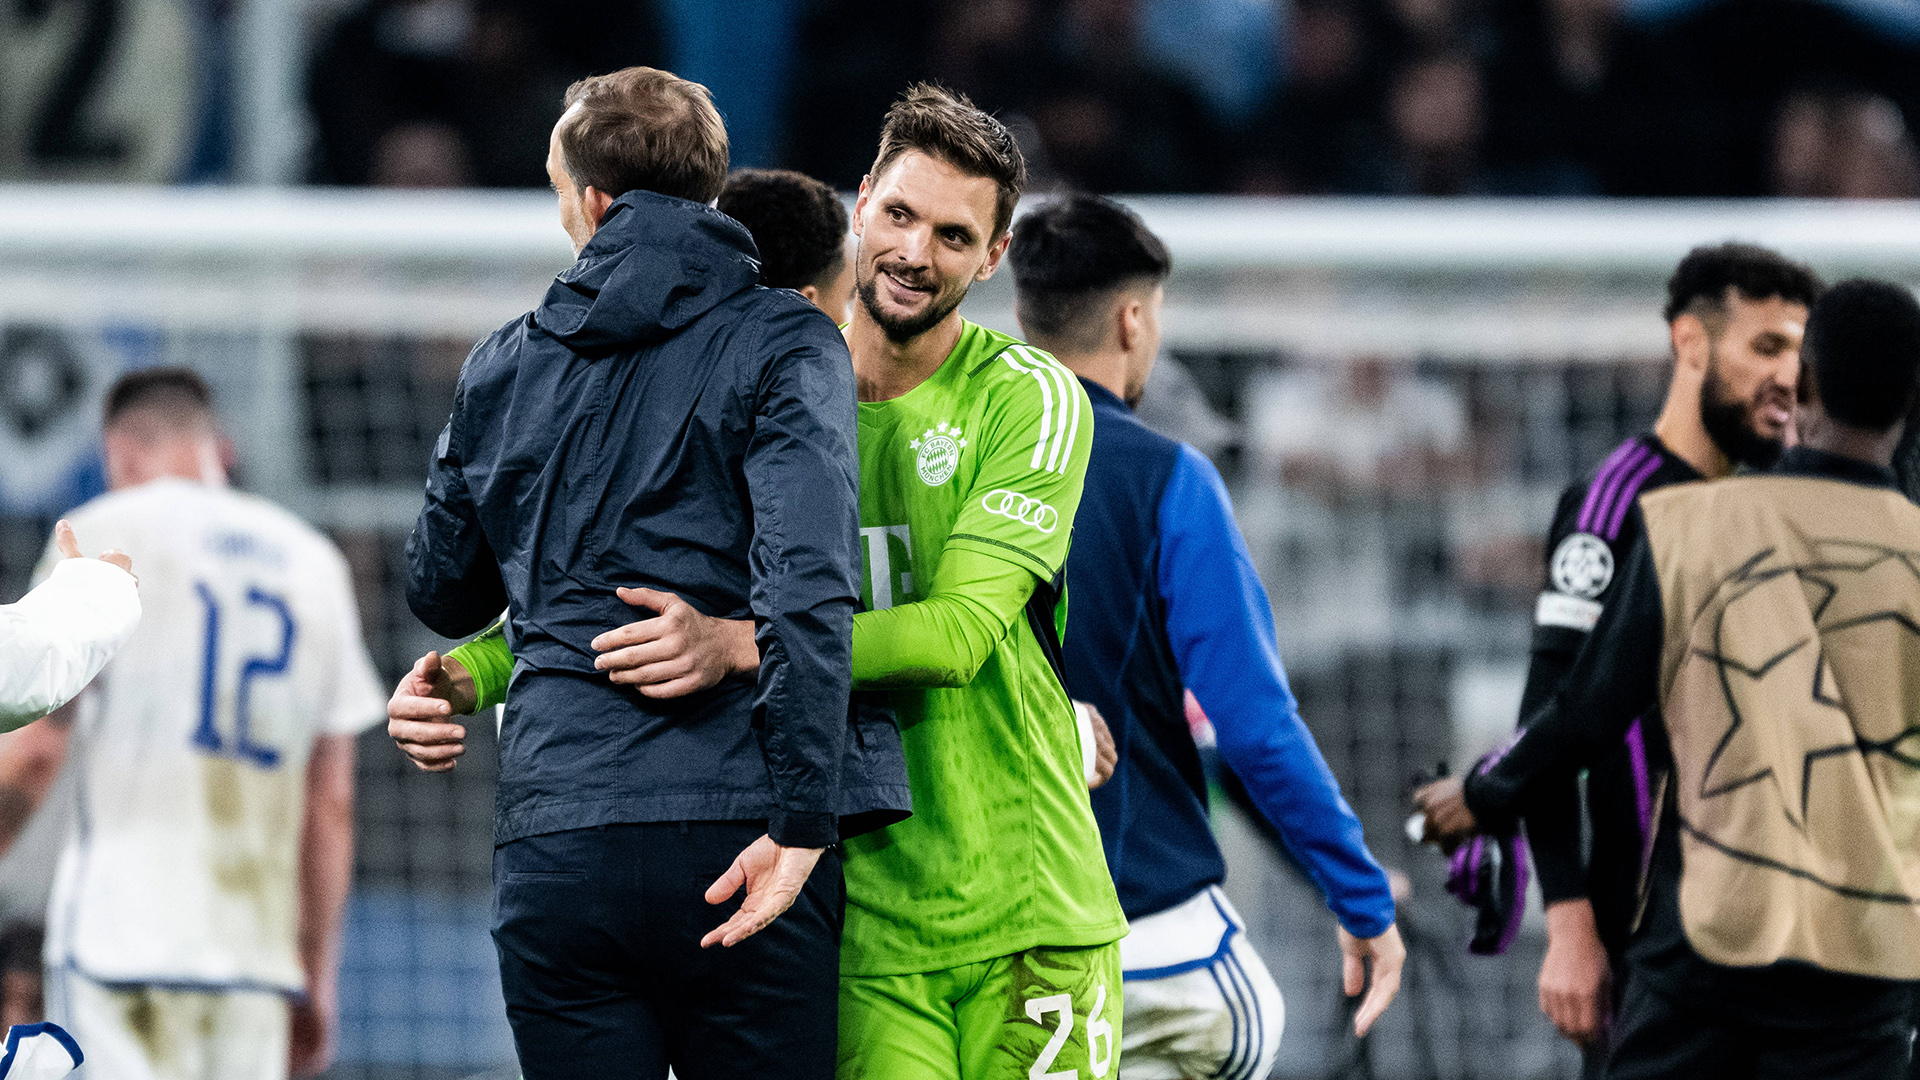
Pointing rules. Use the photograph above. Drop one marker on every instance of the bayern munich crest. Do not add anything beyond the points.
(1582, 566)
(939, 453)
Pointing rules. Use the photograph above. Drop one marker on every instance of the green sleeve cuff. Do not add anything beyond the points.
(488, 659)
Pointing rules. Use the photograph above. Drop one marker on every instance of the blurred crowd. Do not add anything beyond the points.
(1387, 97)
(1400, 97)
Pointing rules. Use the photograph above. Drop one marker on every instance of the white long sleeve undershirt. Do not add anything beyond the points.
(58, 637)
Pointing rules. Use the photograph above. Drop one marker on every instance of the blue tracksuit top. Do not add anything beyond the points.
(1165, 599)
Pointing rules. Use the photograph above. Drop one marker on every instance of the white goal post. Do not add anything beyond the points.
(1463, 279)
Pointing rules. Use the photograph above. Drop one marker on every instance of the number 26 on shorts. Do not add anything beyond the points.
(1099, 1037)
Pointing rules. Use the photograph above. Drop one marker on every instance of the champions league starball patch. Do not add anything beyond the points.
(939, 453)
(1582, 566)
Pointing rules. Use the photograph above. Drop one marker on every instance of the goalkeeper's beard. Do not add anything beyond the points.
(899, 330)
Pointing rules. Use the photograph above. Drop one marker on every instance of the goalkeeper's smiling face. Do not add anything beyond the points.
(926, 234)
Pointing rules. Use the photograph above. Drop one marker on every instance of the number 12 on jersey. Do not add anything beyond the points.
(207, 737)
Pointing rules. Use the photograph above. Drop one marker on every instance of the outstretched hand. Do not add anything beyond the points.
(1389, 955)
(419, 715)
(69, 547)
(676, 652)
(773, 876)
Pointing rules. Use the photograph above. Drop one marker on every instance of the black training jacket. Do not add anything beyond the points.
(661, 421)
(1593, 531)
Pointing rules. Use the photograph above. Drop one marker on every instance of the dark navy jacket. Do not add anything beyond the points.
(661, 421)
(1165, 600)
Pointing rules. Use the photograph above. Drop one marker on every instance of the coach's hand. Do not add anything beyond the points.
(419, 712)
(1575, 977)
(676, 652)
(1389, 955)
(773, 876)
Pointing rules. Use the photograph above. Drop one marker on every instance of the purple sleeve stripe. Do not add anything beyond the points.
(1642, 784)
(1607, 480)
(1628, 492)
(1599, 482)
(1515, 849)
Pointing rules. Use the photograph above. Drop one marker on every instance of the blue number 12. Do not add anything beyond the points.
(206, 736)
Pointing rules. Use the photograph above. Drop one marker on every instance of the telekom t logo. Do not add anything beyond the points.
(880, 564)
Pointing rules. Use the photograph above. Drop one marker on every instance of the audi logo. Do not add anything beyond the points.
(1022, 508)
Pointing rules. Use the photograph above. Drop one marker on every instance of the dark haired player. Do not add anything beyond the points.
(981, 933)
(1165, 601)
(1735, 316)
(1766, 630)
(800, 228)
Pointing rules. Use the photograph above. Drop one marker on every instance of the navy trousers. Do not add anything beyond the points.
(598, 932)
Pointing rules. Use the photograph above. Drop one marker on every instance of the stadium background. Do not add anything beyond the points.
(1396, 388)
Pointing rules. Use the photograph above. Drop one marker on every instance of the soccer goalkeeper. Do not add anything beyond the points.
(981, 933)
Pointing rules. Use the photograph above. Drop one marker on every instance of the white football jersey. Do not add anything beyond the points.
(190, 749)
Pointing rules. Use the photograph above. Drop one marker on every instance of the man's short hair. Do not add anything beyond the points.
(944, 124)
(797, 222)
(1074, 250)
(1699, 284)
(643, 129)
(176, 396)
(1863, 351)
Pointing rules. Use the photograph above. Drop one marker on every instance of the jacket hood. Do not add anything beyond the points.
(656, 264)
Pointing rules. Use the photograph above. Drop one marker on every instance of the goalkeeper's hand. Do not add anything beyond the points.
(420, 713)
(676, 652)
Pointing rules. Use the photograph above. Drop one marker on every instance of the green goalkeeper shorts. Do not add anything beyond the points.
(1043, 1014)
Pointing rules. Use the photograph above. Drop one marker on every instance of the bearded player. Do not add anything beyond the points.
(1735, 315)
(981, 934)
(1764, 630)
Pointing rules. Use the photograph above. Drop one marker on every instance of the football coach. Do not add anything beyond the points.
(660, 432)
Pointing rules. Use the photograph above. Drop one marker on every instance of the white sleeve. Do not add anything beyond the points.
(58, 637)
(357, 702)
(40, 1051)
(1089, 746)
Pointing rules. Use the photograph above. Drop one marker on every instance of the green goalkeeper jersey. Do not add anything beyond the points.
(1002, 853)
(984, 460)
